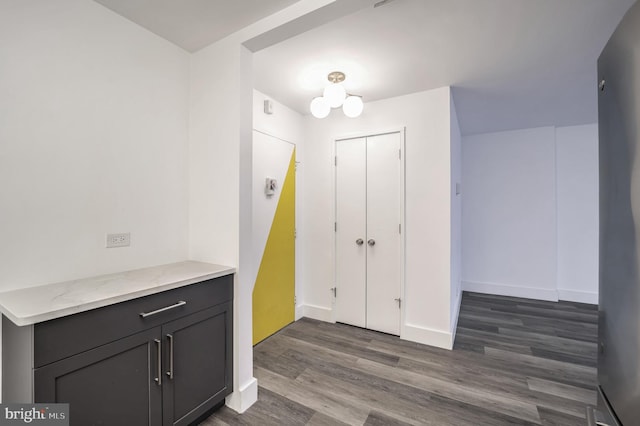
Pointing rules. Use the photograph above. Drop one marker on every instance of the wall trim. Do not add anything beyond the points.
(427, 336)
(578, 296)
(243, 398)
(455, 317)
(299, 312)
(319, 313)
(513, 291)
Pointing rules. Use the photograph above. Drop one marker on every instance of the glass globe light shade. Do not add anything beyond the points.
(319, 107)
(353, 106)
(335, 94)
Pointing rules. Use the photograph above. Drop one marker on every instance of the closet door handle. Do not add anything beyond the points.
(170, 372)
(159, 361)
(371, 242)
(359, 241)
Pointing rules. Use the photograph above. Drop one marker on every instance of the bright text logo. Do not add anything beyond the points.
(36, 414)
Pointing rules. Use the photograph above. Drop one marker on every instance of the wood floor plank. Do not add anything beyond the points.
(397, 408)
(271, 409)
(493, 340)
(459, 392)
(350, 348)
(586, 360)
(565, 391)
(515, 362)
(379, 419)
(284, 367)
(320, 419)
(312, 397)
(563, 372)
(552, 417)
(553, 343)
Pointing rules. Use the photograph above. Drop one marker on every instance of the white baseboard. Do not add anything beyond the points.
(319, 313)
(513, 291)
(243, 398)
(578, 296)
(299, 312)
(455, 316)
(427, 336)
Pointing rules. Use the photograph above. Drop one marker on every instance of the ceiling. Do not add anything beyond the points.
(194, 24)
(512, 63)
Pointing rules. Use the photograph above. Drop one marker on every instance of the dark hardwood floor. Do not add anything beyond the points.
(515, 362)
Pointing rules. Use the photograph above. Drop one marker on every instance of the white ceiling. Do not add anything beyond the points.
(512, 63)
(194, 24)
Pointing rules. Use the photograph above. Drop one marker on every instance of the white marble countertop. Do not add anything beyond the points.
(37, 304)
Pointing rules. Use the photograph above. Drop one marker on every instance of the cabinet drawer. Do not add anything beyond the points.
(63, 337)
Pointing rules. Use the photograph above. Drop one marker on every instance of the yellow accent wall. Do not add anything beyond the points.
(273, 294)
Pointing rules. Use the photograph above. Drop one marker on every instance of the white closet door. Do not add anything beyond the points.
(383, 237)
(351, 214)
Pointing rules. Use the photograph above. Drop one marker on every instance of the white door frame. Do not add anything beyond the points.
(401, 130)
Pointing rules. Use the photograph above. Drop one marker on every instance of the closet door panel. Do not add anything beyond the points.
(351, 227)
(383, 234)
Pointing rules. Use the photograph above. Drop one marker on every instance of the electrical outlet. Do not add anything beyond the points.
(119, 240)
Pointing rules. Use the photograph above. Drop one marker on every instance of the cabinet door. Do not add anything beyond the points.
(197, 364)
(113, 384)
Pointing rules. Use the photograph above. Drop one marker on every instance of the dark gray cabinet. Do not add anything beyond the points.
(193, 381)
(108, 385)
(164, 359)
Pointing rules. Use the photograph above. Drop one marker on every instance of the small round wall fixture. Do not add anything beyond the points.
(334, 96)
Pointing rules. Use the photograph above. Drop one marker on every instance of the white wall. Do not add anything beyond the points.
(456, 217)
(220, 164)
(288, 125)
(428, 208)
(530, 213)
(93, 123)
(93, 131)
(284, 123)
(509, 214)
(220, 206)
(578, 220)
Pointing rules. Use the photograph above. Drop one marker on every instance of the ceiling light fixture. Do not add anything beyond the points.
(334, 96)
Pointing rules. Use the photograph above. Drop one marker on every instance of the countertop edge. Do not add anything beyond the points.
(22, 321)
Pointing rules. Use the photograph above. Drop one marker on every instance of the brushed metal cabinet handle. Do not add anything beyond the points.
(159, 351)
(166, 308)
(359, 241)
(170, 372)
(371, 242)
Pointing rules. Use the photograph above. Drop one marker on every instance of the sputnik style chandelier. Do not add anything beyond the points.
(334, 96)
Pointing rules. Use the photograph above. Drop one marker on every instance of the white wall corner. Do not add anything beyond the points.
(243, 398)
(512, 291)
(578, 296)
(454, 317)
(319, 313)
(427, 336)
